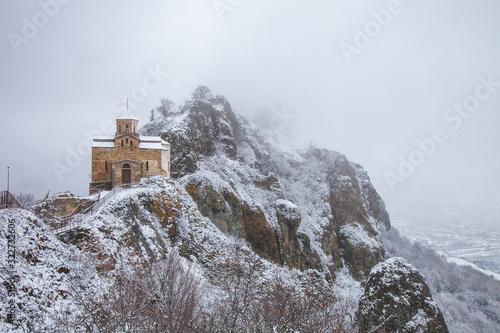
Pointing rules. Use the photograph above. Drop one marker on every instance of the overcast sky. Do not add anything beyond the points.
(367, 78)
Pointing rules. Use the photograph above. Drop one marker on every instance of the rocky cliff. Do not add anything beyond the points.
(303, 208)
(397, 299)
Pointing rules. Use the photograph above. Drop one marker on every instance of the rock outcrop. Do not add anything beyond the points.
(397, 299)
(55, 208)
(303, 208)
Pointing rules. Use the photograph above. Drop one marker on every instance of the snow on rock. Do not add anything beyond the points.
(241, 175)
(288, 210)
(42, 272)
(357, 236)
(397, 299)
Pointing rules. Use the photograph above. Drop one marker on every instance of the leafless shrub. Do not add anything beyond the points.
(167, 297)
(252, 303)
(288, 306)
(122, 308)
(174, 293)
(26, 200)
(240, 284)
(163, 297)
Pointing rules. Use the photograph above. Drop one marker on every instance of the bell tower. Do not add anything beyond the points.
(127, 124)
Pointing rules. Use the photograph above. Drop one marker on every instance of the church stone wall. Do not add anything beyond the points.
(116, 172)
(99, 158)
(153, 162)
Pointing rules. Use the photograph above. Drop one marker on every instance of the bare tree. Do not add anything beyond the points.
(165, 107)
(240, 283)
(122, 308)
(251, 303)
(166, 296)
(203, 93)
(174, 291)
(288, 306)
(160, 297)
(26, 200)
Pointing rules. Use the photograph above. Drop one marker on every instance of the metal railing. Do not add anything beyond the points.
(105, 198)
(72, 223)
(7, 200)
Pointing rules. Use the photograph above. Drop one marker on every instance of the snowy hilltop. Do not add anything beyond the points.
(251, 234)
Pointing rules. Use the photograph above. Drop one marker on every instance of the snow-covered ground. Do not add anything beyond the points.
(462, 238)
(462, 262)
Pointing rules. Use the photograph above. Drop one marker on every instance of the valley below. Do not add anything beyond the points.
(461, 238)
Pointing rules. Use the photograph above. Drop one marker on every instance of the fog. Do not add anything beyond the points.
(410, 90)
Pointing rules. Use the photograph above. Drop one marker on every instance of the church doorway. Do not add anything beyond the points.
(126, 174)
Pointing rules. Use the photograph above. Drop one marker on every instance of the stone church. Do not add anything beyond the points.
(127, 157)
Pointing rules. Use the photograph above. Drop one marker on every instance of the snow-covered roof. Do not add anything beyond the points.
(149, 138)
(103, 144)
(144, 138)
(105, 141)
(151, 145)
(104, 137)
(145, 142)
(128, 115)
(152, 142)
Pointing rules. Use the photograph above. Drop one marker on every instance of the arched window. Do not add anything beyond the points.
(122, 143)
(134, 129)
(126, 166)
(147, 166)
(106, 166)
(126, 140)
(120, 128)
(130, 143)
(127, 128)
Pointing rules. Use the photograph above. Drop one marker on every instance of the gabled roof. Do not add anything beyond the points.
(127, 160)
(107, 141)
(145, 138)
(128, 115)
(145, 142)
(103, 144)
(132, 135)
(152, 142)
